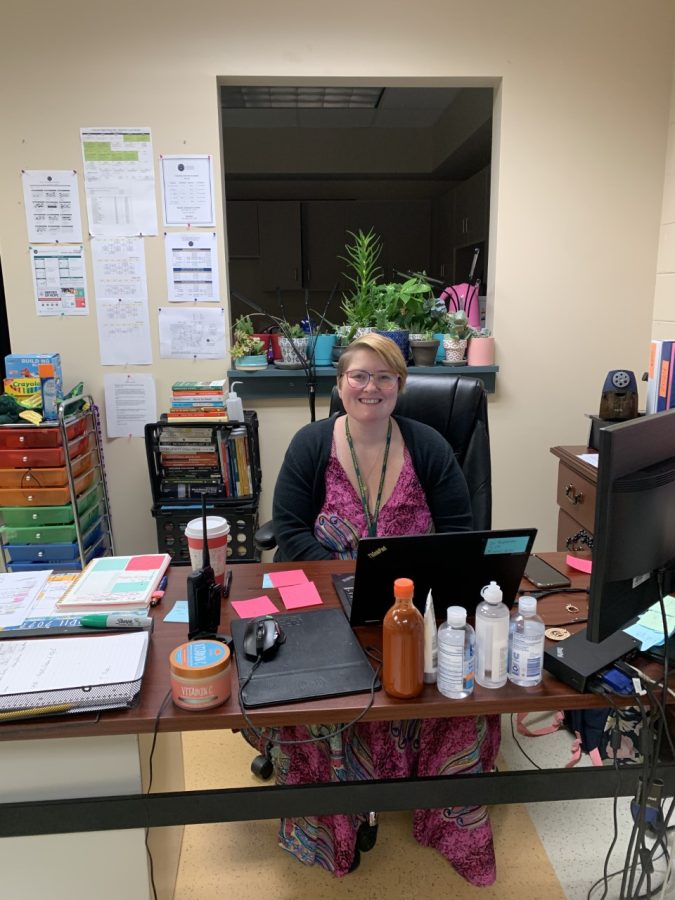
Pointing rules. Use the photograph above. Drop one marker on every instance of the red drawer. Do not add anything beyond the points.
(44, 477)
(42, 456)
(12, 438)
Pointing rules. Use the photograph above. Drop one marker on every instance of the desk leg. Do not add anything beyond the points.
(104, 864)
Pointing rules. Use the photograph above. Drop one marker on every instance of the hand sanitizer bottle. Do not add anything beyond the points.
(235, 411)
(526, 644)
(492, 638)
(456, 643)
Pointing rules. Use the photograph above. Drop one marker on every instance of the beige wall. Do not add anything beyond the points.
(577, 183)
(664, 297)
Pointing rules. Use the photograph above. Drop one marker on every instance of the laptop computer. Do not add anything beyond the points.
(453, 566)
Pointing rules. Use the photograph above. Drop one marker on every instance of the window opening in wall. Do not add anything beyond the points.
(306, 165)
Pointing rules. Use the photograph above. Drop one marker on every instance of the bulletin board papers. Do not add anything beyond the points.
(130, 402)
(52, 204)
(192, 333)
(119, 268)
(187, 190)
(192, 266)
(124, 332)
(119, 181)
(59, 280)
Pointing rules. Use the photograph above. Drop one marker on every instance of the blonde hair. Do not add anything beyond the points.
(387, 350)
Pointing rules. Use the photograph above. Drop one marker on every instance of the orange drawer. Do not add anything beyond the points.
(43, 456)
(12, 438)
(41, 478)
(576, 497)
(44, 496)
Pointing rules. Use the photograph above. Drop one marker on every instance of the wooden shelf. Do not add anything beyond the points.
(273, 382)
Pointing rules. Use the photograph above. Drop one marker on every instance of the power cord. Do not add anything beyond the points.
(165, 700)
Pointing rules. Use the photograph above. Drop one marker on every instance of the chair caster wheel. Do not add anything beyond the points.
(367, 835)
(262, 767)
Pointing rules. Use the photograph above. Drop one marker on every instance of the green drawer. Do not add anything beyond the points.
(27, 516)
(49, 534)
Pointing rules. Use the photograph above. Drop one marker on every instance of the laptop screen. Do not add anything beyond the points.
(454, 567)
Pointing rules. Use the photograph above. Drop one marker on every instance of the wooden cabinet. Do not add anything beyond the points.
(405, 229)
(242, 229)
(280, 245)
(576, 492)
(324, 224)
(444, 208)
(471, 209)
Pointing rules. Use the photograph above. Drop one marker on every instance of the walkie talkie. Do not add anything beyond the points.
(203, 594)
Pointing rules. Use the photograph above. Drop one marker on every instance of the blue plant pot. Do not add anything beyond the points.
(401, 339)
(321, 345)
(251, 362)
(440, 356)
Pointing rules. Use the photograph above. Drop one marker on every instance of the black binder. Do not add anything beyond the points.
(321, 657)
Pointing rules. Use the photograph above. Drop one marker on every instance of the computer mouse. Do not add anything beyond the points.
(263, 638)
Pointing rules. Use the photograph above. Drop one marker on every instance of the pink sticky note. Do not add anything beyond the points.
(284, 579)
(296, 595)
(258, 606)
(144, 563)
(581, 565)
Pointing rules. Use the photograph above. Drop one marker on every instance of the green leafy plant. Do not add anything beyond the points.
(246, 345)
(363, 274)
(291, 331)
(456, 326)
(243, 327)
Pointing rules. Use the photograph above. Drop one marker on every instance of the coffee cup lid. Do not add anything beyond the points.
(216, 526)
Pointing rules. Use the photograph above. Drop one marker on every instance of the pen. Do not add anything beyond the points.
(115, 620)
(35, 711)
(163, 581)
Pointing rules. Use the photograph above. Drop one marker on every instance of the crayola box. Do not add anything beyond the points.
(26, 365)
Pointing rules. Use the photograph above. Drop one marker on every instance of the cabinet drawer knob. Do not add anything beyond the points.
(573, 495)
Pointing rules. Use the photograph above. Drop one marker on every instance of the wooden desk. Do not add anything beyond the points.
(131, 809)
(576, 490)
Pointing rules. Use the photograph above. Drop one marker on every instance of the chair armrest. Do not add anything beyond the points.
(264, 538)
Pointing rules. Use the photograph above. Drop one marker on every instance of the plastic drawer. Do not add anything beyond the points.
(13, 438)
(49, 534)
(43, 456)
(22, 516)
(52, 552)
(46, 477)
(68, 565)
(57, 496)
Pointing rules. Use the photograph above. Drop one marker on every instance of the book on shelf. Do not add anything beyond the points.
(217, 386)
(192, 417)
(182, 490)
(661, 374)
(110, 583)
(179, 436)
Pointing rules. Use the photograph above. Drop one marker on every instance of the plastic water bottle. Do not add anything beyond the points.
(526, 644)
(492, 638)
(456, 645)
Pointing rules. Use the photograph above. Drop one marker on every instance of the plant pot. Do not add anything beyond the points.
(365, 329)
(424, 352)
(266, 340)
(481, 351)
(337, 351)
(440, 353)
(321, 345)
(455, 350)
(288, 354)
(276, 349)
(400, 338)
(251, 363)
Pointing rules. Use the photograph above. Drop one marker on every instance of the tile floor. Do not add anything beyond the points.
(544, 850)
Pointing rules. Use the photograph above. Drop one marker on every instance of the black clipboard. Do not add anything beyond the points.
(320, 657)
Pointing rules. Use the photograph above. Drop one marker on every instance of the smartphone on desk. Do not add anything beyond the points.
(543, 575)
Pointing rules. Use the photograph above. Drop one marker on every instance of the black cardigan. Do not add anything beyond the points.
(301, 489)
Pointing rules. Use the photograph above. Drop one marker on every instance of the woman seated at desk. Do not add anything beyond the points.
(343, 478)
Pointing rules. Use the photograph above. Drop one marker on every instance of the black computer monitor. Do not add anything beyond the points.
(634, 534)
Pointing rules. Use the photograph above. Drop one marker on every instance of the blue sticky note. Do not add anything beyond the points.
(179, 613)
(647, 637)
(267, 582)
(506, 545)
(111, 563)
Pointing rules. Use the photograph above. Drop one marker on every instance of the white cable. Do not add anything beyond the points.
(669, 870)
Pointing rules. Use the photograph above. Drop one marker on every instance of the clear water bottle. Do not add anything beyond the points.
(492, 638)
(526, 644)
(456, 645)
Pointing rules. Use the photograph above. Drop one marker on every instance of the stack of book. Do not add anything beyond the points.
(235, 462)
(198, 401)
(189, 464)
(660, 393)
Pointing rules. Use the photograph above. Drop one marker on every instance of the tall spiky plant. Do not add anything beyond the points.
(364, 273)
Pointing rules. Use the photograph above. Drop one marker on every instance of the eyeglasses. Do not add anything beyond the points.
(359, 378)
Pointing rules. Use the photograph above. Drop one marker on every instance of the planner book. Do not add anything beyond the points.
(116, 583)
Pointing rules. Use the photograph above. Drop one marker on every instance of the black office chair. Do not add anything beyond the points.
(456, 406)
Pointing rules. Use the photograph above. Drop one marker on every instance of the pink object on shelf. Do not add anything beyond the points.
(463, 296)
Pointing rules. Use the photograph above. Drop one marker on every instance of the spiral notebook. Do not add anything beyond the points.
(51, 676)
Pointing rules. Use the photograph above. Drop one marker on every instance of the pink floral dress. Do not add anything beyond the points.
(399, 749)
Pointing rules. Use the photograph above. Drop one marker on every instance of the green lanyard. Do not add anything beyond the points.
(371, 521)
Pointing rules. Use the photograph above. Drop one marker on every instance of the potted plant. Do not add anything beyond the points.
(248, 353)
(293, 344)
(363, 275)
(481, 350)
(457, 332)
(424, 314)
